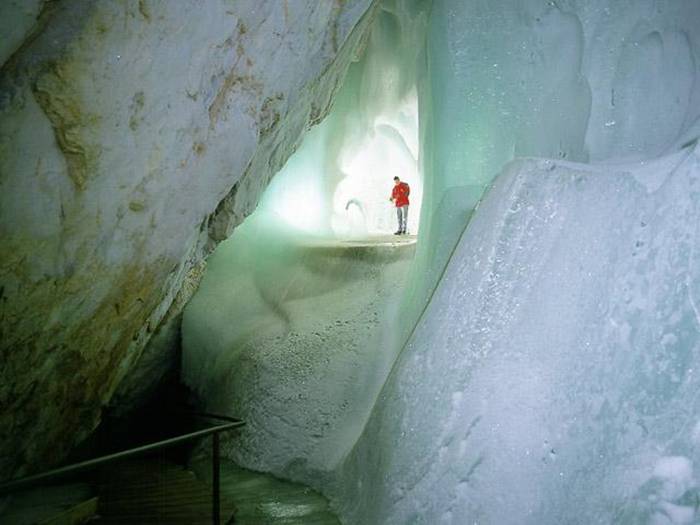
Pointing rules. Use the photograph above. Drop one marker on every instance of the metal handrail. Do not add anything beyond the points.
(38, 479)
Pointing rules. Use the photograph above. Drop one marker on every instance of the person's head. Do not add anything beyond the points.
(396, 181)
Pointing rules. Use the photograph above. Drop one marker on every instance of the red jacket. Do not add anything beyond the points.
(400, 194)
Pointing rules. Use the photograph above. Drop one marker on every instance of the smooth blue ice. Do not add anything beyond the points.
(580, 80)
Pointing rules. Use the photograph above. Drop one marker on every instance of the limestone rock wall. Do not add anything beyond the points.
(134, 136)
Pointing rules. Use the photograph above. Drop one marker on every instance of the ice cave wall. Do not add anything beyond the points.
(134, 135)
(552, 377)
(587, 81)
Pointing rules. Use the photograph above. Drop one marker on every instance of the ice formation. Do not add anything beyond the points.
(293, 335)
(559, 356)
(551, 376)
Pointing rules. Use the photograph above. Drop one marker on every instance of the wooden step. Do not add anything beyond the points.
(156, 491)
(65, 504)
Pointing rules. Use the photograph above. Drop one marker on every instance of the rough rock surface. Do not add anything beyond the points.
(134, 135)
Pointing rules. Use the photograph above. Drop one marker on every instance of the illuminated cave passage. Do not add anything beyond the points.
(527, 354)
(294, 327)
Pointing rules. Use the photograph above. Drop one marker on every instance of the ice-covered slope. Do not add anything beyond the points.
(554, 376)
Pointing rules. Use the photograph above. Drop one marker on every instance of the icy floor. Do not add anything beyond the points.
(368, 242)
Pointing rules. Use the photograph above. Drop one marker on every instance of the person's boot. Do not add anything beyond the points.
(397, 232)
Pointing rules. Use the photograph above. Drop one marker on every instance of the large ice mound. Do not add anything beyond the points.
(294, 336)
(554, 378)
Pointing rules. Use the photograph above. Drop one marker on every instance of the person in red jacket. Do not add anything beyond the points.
(399, 196)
